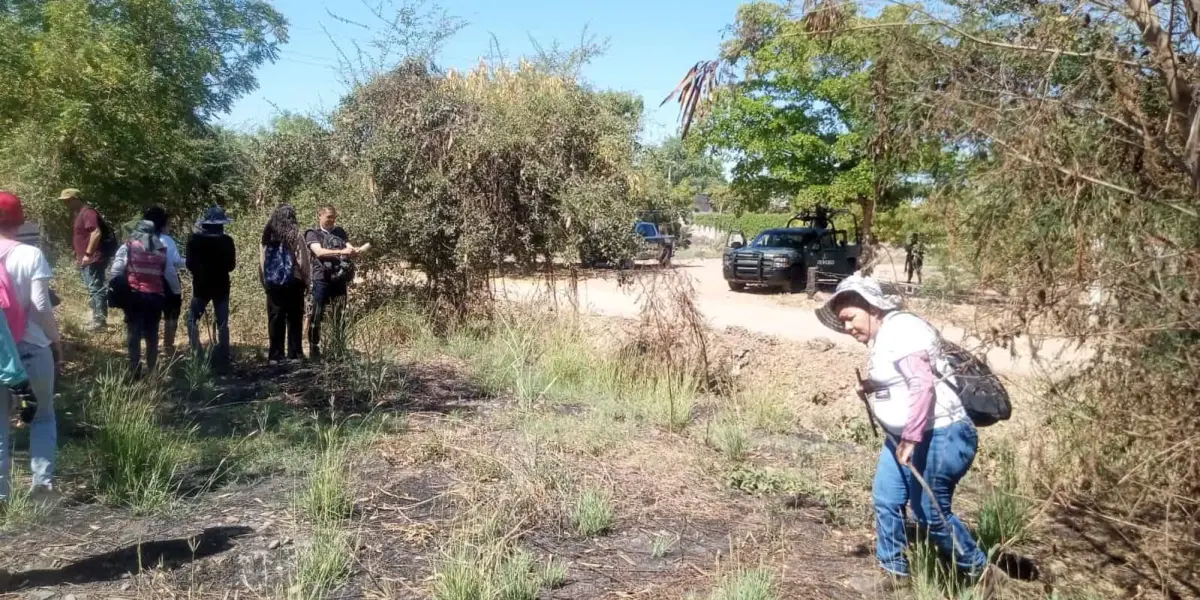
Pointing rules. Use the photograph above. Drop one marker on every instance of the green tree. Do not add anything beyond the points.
(809, 118)
(114, 97)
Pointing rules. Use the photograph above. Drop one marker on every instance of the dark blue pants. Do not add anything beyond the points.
(221, 314)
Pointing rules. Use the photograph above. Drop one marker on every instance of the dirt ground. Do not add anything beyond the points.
(769, 312)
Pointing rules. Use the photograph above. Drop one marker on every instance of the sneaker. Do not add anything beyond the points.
(880, 585)
(44, 496)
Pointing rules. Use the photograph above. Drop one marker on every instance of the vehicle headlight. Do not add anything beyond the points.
(728, 259)
(782, 261)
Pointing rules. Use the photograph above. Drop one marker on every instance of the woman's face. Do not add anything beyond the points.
(859, 322)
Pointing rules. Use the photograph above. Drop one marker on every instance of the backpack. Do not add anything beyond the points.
(977, 387)
(108, 238)
(119, 292)
(14, 313)
(279, 267)
(980, 391)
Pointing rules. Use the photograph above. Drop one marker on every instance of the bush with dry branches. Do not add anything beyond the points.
(464, 171)
(1069, 182)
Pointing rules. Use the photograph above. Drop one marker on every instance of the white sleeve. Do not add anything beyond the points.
(118, 265)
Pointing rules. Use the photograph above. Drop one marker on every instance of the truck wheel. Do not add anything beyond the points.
(737, 287)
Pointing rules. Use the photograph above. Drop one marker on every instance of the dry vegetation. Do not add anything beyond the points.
(538, 454)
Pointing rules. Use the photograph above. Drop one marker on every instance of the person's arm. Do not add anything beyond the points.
(118, 264)
(189, 261)
(232, 264)
(94, 242)
(12, 371)
(321, 252)
(917, 370)
(43, 311)
(262, 262)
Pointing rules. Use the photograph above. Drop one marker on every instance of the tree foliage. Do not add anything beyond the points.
(464, 171)
(810, 119)
(114, 97)
(1071, 187)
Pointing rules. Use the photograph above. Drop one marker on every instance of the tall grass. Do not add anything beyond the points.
(1004, 514)
(327, 501)
(548, 360)
(323, 564)
(484, 561)
(137, 462)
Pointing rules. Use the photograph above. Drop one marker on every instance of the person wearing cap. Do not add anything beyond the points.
(927, 431)
(29, 276)
(86, 238)
(211, 257)
(143, 261)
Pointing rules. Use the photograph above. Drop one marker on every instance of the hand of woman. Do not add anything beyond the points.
(904, 452)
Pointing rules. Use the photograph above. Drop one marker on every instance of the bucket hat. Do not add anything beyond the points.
(215, 215)
(867, 288)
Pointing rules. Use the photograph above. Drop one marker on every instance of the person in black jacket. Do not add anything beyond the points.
(211, 257)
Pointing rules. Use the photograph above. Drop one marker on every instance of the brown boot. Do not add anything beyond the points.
(880, 585)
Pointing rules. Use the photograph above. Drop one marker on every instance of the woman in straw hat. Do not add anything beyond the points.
(931, 441)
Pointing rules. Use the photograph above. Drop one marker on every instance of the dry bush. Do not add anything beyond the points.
(672, 335)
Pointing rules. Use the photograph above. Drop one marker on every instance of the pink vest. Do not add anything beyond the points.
(146, 269)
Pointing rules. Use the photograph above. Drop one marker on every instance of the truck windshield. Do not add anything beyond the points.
(796, 241)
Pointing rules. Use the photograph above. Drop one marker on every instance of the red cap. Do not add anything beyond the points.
(12, 214)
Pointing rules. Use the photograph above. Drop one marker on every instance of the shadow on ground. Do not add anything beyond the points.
(131, 560)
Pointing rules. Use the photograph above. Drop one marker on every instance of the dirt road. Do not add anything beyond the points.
(781, 315)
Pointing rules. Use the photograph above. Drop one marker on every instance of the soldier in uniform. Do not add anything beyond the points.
(914, 256)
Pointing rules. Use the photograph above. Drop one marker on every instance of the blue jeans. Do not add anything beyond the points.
(942, 459)
(221, 315)
(94, 279)
(43, 431)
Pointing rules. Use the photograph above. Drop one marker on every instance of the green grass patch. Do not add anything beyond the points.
(494, 571)
(754, 584)
(592, 513)
(323, 564)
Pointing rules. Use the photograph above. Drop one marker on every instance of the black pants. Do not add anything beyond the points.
(285, 313)
(142, 317)
(324, 295)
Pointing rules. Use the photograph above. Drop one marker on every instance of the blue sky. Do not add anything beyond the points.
(651, 44)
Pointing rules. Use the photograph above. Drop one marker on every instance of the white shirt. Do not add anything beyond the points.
(26, 264)
(174, 263)
(901, 335)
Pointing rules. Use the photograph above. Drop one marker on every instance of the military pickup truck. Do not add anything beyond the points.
(780, 258)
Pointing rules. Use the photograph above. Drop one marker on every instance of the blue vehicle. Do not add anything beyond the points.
(646, 242)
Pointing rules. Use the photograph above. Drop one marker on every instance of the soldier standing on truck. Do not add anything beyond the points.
(914, 256)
